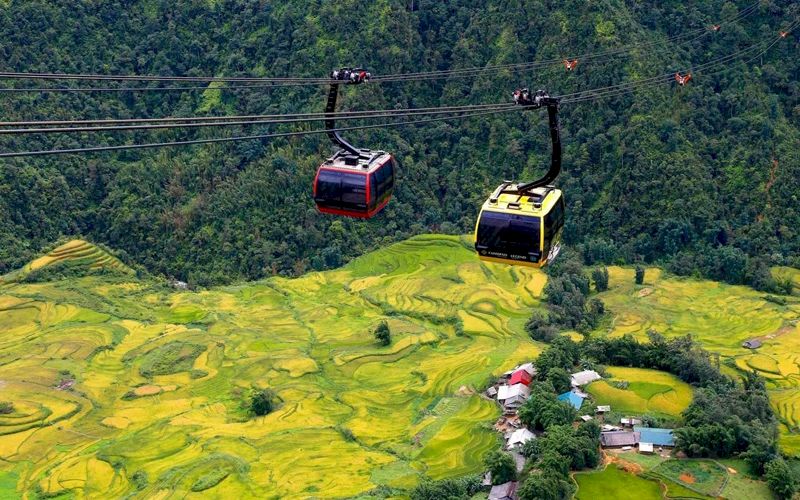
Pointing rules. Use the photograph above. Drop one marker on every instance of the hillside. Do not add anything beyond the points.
(689, 177)
(72, 257)
(409, 406)
(122, 386)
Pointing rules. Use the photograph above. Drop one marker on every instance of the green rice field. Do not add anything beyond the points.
(629, 474)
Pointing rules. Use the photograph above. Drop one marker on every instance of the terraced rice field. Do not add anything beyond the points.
(647, 392)
(74, 253)
(124, 387)
(721, 317)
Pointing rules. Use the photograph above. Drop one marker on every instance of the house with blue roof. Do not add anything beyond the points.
(655, 436)
(576, 400)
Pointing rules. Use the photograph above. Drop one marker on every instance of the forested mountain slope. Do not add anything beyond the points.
(698, 177)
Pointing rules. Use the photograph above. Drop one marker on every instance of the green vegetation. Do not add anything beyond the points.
(701, 476)
(690, 178)
(639, 275)
(781, 479)
(173, 357)
(600, 279)
(639, 391)
(382, 334)
(262, 402)
(6, 408)
(613, 482)
(502, 467)
(447, 488)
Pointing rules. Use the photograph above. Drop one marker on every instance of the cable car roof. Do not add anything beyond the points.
(537, 201)
(365, 161)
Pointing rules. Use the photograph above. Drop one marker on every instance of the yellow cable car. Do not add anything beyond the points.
(521, 223)
(521, 229)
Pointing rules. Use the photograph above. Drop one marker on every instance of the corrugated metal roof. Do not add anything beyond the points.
(657, 436)
(619, 438)
(574, 399)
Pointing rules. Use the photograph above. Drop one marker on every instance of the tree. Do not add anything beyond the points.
(382, 334)
(600, 278)
(546, 486)
(780, 478)
(262, 402)
(464, 487)
(6, 408)
(639, 275)
(540, 328)
(543, 409)
(502, 467)
(560, 379)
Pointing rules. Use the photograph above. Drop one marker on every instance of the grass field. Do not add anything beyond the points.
(720, 317)
(647, 392)
(613, 482)
(680, 478)
(125, 387)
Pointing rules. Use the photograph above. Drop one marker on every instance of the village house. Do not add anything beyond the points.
(630, 422)
(655, 436)
(518, 438)
(573, 398)
(528, 367)
(520, 377)
(584, 377)
(646, 448)
(619, 439)
(505, 491)
(603, 409)
(513, 396)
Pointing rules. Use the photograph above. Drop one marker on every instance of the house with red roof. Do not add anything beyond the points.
(520, 377)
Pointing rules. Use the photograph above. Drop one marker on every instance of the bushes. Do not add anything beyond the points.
(639, 275)
(382, 334)
(543, 409)
(600, 278)
(173, 357)
(262, 402)
(502, 467)
(6, 408)
(567, 301)
(451, 489)
(781, 479)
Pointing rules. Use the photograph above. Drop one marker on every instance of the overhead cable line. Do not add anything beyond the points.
(161, 126)
(626, 87)
(337, 114)
(97, 149)
(300, 81)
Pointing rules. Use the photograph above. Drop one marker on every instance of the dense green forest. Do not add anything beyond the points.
(703, 178)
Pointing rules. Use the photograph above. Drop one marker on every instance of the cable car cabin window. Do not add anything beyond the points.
(373, 191)
(553, 222)
(389, 172)
(341, 190)
(354, 191)
(509, 236)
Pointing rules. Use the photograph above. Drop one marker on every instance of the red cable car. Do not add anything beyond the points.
(355, 185)
(353, 182)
